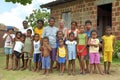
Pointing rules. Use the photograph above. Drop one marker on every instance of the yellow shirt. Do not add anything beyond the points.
(62, 52)
(39, 31)
(108, 42)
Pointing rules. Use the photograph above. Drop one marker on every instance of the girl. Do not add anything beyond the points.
(18, 46)
(94, 52)
(37, 56)
(8, 37)
(81, 48)
(108, 45)
(71, 48)
(61, 55)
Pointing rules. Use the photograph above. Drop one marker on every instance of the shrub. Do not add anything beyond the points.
(117, 48)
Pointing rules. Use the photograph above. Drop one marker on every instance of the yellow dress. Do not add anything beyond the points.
(62, 52)
(39, 31)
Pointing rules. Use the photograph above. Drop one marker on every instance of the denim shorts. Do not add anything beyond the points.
(37, 57)
(61, 59)
(46, 62)
(8, 51)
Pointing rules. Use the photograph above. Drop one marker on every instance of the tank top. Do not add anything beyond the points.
(82, 39)
(75, 32)
(36, 47)
(62, 52)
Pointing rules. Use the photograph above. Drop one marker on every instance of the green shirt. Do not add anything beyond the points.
(82, 39)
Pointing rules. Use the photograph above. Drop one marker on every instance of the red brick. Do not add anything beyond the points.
(117, 14)
(118, 9)
(117, 3)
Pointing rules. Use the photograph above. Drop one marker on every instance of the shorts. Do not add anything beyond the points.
(8, 51)
(37, 57)
(71, 55)
(107, 56)
(94, 58)
(84, 53)
(61, 59)
(27, 55)
(46, 62)
(17, 54)
(53, 54)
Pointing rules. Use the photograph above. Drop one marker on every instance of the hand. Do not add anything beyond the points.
(81, 51)
(95, 45)
(56, 58)
(113, 53)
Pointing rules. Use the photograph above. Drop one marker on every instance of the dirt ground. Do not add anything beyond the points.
(27, 75)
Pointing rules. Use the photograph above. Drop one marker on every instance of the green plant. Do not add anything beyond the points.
(117, 48)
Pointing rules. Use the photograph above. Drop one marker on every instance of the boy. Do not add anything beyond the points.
(50, 32)
(46, 55)
(8, 37)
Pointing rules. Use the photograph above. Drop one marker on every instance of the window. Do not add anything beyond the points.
(67, 18)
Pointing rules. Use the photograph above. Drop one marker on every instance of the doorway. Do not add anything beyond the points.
(104, 18)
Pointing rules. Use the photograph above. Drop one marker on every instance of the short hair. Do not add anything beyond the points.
(51, 19)
(18, 32)
(60, 39)
(46, 38)
(108, 27)
(74, 22)
(40, 20)
(29, 30)
(88, 21)
(71, 33)
(25, 21)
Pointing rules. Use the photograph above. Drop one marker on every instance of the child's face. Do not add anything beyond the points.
(22, 39)
(36, 37)
(45, 41)
(51, 22)
(29, 34)
(62, 24)
(82, 29)
(10, 31)
(72, 37)
(94, 35)
(88, 26)
(18, 35)
(73, 26)
(61, 42)
(109, 31)
(60, 35)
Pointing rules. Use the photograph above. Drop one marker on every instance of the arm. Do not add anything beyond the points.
(86, 41)
(32, 48)
(66, 53)
(113, 44)
(48, 46)
(5, 36)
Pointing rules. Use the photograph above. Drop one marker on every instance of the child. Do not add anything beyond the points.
(8, 37)
(61, 55)
(81, 48)
(108, 49)
(71, 48)
(28, 49)
(37, 53)
(18, 46)
(46, 55)
(58, 36)
(94, 44)
(88, 26)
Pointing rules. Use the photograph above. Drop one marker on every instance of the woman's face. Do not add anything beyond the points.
(73, 26)
(62, 24)
(40, 25)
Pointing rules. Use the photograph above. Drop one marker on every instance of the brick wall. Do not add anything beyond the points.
(82, 10)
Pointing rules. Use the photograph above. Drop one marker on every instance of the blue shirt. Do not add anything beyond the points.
(50, 32)
(88, 33)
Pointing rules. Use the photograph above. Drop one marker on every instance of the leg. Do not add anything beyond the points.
(91, 68)
(60, 67)
(105, 63)
(35, 66)
(7, 61)
(108, 70)
(99, 68)
(63, 68)
(73, 66)
(80, 64)
(22, 61)
(29, 64)
(69, 67)
(10, 61)
(83, 65)
(18, 60)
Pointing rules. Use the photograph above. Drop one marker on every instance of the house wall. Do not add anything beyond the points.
(82, 10)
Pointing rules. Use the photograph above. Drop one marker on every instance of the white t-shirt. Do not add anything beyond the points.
(24, 31)
(36, 47)
(18, 46)
(8, 41)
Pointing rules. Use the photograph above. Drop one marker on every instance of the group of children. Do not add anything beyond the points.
(84, 45)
